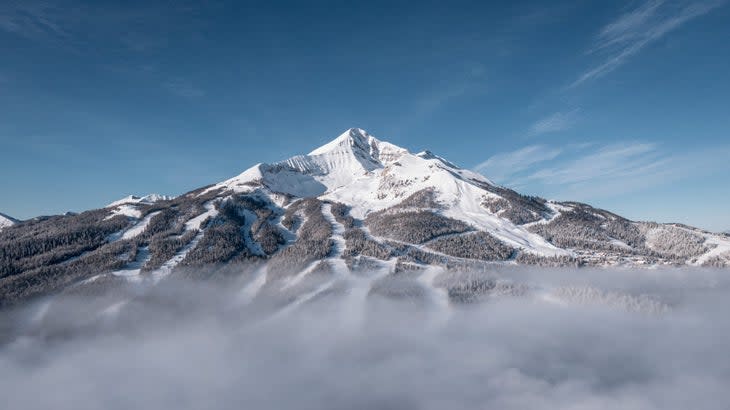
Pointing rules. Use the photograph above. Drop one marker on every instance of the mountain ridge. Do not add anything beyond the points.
(354, 204)
(6, 221)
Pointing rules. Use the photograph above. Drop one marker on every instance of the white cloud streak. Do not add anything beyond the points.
(504, 166)
(607, 162)
(584, 172)
(556, 122)
(77, 25)
(631, 32)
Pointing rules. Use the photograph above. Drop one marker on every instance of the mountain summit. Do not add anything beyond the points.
(349, 157)
(356, 204)
(370, 175)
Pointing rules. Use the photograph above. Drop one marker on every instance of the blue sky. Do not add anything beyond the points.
(624, 105)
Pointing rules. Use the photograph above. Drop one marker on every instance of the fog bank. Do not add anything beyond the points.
(642, 339)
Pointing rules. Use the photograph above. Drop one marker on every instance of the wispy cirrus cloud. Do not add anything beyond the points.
(632, 31)
(76, 25)
(503, 167)
(586, 171)
(34, 20)
(559, 121)
(609, 161)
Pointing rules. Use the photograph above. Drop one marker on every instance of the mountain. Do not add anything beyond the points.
(6, 221)
(356, 207)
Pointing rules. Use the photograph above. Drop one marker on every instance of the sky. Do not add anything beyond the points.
(621, 104)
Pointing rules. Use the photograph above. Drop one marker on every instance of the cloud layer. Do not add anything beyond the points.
(509, 353)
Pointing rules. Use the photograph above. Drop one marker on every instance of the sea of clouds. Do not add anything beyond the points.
(579, 339)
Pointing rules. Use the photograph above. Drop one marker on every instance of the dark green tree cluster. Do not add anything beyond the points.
(413, 227)
(341, 213)
(519, 209)
(425, 198)
(587, 228)
(477, 245)
(357, 243)
(313, 239)
(51, 240)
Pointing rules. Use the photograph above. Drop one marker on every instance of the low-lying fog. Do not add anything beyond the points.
(582, 339)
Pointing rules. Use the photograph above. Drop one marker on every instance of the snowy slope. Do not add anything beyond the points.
(370, 175)
(134, 199)
(129, 205)
(6, 221)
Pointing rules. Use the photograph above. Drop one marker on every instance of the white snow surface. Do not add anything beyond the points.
(197, 222)
(135, 230)
(132, 272)
(6, 221)
(127, 210)
(369, 175)
(134, 199)
(720, 247)
(127, 206)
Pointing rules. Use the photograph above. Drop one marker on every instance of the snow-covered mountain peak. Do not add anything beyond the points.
(354, 137)
(357, 167)
(371, 175)
(353, 155)
(363, 146)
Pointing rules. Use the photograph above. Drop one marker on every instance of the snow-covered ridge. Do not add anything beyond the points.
(128, 206)
(352, 156)
(6, 221)
(134, 199)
